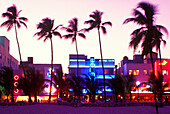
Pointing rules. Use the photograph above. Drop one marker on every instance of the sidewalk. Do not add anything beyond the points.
(61, 109)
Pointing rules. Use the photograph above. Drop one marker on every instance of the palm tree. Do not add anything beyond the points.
(130, 82)
(60, 83)
(26, 84)
(92, 86)
(47, 31)
(96, 22)
(33, 83)
(7, 82)
(116, 85)
(73, 31)
(37, 82)
(12, 15)
(157, 43)
(158, 85)
(147, 34)
(76, 83)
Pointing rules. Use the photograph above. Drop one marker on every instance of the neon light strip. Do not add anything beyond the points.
(107, 60)
(141, 91)
(76, 60)
(75, 66)
(106, 76)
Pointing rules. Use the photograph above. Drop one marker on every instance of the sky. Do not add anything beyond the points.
(115, 43)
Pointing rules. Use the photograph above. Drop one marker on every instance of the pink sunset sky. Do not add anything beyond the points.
(115, 44)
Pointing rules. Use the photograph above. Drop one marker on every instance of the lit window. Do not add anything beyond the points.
(130, 72)
(105, 71)
(145, 72)
(165, 72)
(135, 72)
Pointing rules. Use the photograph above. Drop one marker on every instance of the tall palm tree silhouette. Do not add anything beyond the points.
(96, 22)
(157, 42)
(73, 31)
(13, 19)
(47, 31)
(149, 33)
(7, 82)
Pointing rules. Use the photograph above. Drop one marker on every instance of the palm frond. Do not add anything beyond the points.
(136, 39)
(107, 23)
(23, 23)
(47, 36)
(13, 10)
(69, 30)
(6, 23)
(103, 29)
(8, 15)
(9, 27)
(149, 9)
(18, 24)
(58, 27)
(57, 34)
(68, 36)
(162, 28)
(19, 12)
(140, 18)
(23, 19)
(89, 22)
(129, 20)
(82, 35)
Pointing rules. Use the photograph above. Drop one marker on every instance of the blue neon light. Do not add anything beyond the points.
(49, 72)
(99, 91)
(109, 90)
(92, 73)
(70, 89)
(83, 66)
(106, 76)
(107, 60)
(84, 91)
(76, 60)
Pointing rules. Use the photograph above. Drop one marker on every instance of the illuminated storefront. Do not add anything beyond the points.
(92, 67)
(45, 71)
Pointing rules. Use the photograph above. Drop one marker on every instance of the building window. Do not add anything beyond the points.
(145, 72)
(135, 72)
(130, 72)
(165, 72)
(106, 71)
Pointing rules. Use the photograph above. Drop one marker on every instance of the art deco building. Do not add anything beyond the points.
(6, 59)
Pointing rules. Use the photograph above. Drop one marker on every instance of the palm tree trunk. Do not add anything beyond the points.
(102, 65)
(154, 84)
(61, 94)
(77, 58)
(7, 99)
(29, 98)
(12, 96)
(51, 69)
(19, 49)
(161, 92)
(35, 97)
